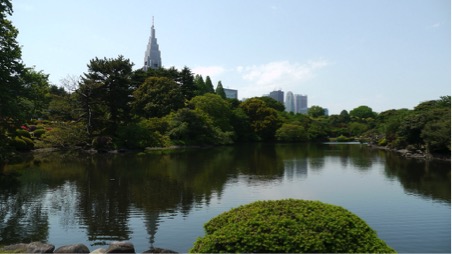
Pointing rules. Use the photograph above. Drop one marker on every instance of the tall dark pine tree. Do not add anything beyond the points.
(220, 90)
(209, 85)
(200, 85)
(187, 83)
(106, 91)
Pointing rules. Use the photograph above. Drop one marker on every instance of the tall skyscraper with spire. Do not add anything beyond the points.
(152, 57)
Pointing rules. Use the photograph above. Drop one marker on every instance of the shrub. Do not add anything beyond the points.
(146, 133)
(23, 133)
(65, 135)
(289, 226)
(22, 143)
(38, 133)
(343, 138)
(291, 133)
(103, 143)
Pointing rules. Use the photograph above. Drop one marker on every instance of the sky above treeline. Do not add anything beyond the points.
(386, 54)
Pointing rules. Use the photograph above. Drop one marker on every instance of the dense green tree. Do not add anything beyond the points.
(291, 133)
(344, 117)
(272, 103)
(436, 132)
(362, 112)
(108, 82)
(316, 111)
(55, 90)
(220, 90)
(264, 120)
(11, 68)
(37, 90)
(388, 123)
(191, 127)
(357, 129)
(157, 97)
(317, 131)
(215, 107)
(241, 124)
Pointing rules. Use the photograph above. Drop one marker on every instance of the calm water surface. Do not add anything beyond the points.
(163, 199)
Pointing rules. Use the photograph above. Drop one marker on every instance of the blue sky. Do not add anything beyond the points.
(386, 54)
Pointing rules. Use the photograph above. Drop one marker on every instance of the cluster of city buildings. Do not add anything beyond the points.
(295, 103)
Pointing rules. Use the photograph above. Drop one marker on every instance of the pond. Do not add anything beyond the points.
(162, 199)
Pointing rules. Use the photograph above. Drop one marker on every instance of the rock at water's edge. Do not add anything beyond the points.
(159, 250)
(73, 248)
(34, 247)
(121, 247)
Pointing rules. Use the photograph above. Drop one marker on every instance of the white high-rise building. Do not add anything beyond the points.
(152, 57)
(290, 102)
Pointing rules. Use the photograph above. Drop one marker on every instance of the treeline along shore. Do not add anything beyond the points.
(114, 108)
(111, 106)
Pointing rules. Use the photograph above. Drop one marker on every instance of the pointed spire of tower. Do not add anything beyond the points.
(152, 57)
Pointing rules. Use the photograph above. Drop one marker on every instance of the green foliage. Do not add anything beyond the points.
(192, 127)
(23, 133)
(36, 93)
(215, 107)
(65, 135)
(22, 143)
(264, 120)
(289, 226)
(187, 83)
(356, 128)
(38, 133)
(241, 125)
(316, 111)
(105, 93)
(291, 133)
(343, 138)
(272, 103)
(157, 97)
(209, 85)
(362, 112)
(220, 90)
(146, 133)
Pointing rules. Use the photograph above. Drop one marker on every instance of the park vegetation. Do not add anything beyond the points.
(112, 106)
(289, 226)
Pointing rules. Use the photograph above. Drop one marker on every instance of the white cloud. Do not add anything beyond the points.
(281, 73)
(436, 25)
(257, 80)
(209, 70)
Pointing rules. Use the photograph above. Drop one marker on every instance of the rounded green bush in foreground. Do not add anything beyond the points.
(289, 226)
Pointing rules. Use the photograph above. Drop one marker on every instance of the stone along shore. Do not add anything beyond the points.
(38, 247)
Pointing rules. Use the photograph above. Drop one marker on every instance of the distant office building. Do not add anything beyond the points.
(231, 93)
(301, 104)
(325, 111)
(152, 57)
(290, 102)
(278, 96)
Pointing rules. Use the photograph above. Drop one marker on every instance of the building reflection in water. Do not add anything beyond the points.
(296, 168)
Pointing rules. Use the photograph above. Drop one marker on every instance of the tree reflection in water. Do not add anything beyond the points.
(100, 193)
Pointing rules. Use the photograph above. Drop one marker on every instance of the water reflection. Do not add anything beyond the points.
(101, 193)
